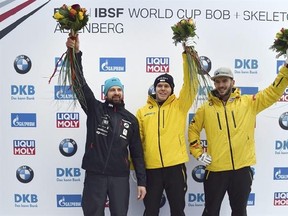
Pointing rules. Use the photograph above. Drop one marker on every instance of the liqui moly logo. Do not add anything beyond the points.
(24, 147)
(157, 64)
(281, 199)
(284, 97)
(67, 120)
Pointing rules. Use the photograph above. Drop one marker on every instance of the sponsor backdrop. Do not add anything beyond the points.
(43, 131)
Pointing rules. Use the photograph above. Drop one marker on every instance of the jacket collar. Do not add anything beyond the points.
(236, 93)
(153, 101)
(112, 105)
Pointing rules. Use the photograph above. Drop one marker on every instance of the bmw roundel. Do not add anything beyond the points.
(22, 64)
(283, 121)
(24, 174)
(68, 147)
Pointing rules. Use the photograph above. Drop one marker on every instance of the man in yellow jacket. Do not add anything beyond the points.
(229, 120)
(162, 123)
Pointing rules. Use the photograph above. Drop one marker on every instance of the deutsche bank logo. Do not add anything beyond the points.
(23, 119)
(112, 65)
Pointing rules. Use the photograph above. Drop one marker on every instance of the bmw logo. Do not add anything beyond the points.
(22, 64)
(198, 173)
(283, 121)
(206, 63)
(24, 174)
(68, 147)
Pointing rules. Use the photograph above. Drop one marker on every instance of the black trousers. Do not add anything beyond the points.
(171, 179)
(237, 183)
(95, 192)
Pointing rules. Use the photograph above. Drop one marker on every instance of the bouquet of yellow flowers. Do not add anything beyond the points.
(280, 44)
(72, 18)
(182, 31)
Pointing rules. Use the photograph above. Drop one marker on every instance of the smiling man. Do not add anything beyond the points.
(162, 123)
(229, 119)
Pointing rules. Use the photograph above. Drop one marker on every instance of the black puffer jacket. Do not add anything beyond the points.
(112, 134)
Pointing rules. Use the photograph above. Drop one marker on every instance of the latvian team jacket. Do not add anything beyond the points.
(229, 128)
(111, 131)
(162, 128)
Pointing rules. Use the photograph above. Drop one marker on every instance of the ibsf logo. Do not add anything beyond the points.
(281, 199)
(157, 64)
(24, 147)
(67, 120)
(284, 97)
(280, 173)
(108, 12)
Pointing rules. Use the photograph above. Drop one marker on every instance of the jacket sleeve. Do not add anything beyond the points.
(87, 92)
(190, 85)
(267, 97)
(194, 130)
(137, 156)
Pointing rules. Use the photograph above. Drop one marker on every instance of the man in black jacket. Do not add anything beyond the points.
(112, 132)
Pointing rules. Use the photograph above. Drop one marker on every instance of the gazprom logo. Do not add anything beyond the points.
(112, 65)
(251, 199)
(68, 200)
(63, 93)
(280, 173)
(279, 64)
(23, 119)
(248, 90)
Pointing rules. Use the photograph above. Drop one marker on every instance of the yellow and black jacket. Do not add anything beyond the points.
(229, 128)
(162, 128)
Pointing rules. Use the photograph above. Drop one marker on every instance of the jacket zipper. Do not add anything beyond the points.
(228, 131)
(159, 144)
(111, 143)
